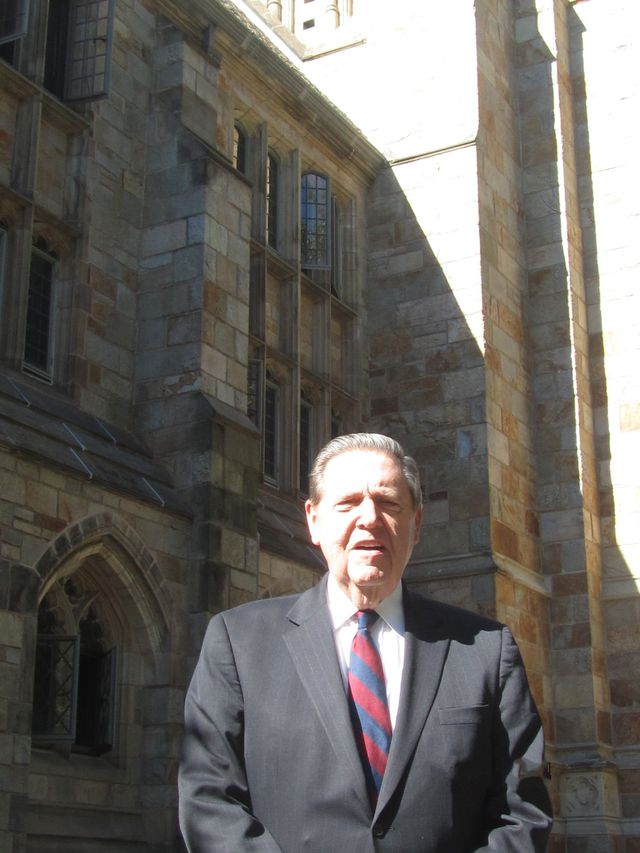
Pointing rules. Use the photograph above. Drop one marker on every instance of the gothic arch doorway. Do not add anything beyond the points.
(104, 631)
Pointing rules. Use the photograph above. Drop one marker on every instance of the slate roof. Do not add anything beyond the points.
(41, 423)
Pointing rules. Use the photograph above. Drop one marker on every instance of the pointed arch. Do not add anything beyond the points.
(121, 567)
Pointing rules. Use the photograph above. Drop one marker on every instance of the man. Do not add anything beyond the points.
(314, 725)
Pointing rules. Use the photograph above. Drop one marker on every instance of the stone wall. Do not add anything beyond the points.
(57, 526)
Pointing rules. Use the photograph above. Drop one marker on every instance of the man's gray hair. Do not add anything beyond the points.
(364, 441)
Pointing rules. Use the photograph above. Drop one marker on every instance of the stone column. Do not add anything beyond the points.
(585, 780)
(18, 622)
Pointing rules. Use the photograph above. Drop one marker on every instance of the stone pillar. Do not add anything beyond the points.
(18, 623)
(585, 779)
(274, 7)
(332, 15)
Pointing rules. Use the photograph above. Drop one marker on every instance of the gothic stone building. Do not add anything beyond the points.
(232, 229)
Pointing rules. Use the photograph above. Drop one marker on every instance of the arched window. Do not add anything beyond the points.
(314, 221)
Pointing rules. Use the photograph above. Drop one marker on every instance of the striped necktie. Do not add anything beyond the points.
(370, 711)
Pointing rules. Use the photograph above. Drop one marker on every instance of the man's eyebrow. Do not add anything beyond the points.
(375, 492)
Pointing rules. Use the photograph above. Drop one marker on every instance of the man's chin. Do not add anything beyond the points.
(371, 577)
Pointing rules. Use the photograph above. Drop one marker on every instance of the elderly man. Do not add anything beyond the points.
(360, 716)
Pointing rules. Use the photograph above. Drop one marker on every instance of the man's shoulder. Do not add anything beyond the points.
(268, 609)
(452, 618)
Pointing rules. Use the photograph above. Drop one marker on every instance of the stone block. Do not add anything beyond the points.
(164, 238)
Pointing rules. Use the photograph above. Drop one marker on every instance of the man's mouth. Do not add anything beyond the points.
(369, 546)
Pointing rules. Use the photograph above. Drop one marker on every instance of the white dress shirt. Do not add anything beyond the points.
(387, 633)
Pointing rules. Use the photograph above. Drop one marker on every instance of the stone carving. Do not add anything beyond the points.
(582, 795)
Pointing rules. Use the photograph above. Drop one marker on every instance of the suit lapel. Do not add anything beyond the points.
(309, 639)
(426, 647)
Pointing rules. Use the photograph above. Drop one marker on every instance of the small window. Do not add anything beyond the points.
(273, 178)
(38, 331)
(314, 221)
(306, 443)
(239, 149)
(272, 416)
(14, 19)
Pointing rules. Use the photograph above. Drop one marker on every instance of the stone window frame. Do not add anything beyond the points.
(291, 309)
(28, 229)
(118, 576)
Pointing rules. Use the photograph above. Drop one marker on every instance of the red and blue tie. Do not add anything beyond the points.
(368, 696)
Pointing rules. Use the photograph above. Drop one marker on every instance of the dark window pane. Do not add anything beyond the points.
(272, 201)
(56, 50)
(239, 149)
(94, 730)
(305, 445)
(37, 335)
(271, 430)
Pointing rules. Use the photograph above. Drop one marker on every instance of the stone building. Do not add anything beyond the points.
(231, 229)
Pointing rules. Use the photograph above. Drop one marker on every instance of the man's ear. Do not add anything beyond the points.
(418, 525)
(312, 521)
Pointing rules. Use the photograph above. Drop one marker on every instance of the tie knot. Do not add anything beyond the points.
(366, 619)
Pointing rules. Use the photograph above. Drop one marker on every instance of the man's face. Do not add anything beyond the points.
(365, 524)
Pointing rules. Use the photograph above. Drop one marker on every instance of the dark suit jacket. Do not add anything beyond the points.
(270, 762)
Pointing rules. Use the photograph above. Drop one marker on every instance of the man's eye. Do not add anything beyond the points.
(390, 506)
(343, 506)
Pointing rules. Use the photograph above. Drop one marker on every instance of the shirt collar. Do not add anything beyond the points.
(341, 608)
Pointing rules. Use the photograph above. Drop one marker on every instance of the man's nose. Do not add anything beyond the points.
(367, 513)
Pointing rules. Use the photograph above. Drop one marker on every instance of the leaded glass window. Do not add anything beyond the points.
(88, 49)
(55, 687)
(314, 220)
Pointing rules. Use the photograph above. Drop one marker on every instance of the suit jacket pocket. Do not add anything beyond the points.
(469, 715)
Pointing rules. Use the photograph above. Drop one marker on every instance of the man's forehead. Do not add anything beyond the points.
(361, 465)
